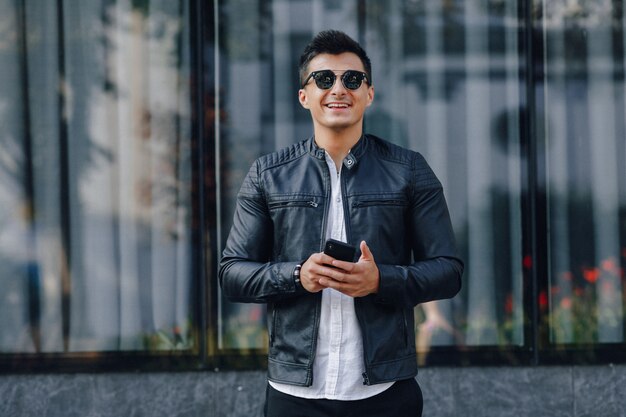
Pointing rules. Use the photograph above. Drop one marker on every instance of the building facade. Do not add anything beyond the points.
(127, 126)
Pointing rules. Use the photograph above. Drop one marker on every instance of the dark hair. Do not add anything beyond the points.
(332, 42)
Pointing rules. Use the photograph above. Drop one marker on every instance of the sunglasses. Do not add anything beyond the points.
(325, 79)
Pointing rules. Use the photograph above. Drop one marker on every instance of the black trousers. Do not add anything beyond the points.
(402, 399)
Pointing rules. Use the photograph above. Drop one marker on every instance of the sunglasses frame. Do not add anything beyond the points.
(343, 77)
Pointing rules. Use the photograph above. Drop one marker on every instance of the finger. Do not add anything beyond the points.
(335, 274)
(321, 258)
(366, 253)
(346, 266)
(332, 283)
(342, 287)
(326, 259)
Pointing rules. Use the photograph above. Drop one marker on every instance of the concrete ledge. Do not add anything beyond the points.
(576, 391)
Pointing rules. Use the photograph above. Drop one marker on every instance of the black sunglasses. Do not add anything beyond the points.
(325, 79)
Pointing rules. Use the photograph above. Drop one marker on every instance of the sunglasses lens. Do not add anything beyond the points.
(352, 79)
(324, 79)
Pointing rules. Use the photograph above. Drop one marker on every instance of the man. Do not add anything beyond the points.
(341, 334)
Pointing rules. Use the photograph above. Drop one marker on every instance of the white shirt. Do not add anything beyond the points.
(339, 364)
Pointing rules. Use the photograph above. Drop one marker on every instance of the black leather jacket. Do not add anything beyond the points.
(392, 200)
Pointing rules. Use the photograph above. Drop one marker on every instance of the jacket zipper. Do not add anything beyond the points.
(366, 380)
(318, 308)
(406, 328)
(316, 326)
(301, 203)
(367, 203)
(273, 333)
(346, 212)
(327, 180)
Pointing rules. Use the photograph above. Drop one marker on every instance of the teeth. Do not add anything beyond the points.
(340, 106)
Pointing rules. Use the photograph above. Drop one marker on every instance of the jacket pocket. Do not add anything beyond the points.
(397, 200)
(296, 202)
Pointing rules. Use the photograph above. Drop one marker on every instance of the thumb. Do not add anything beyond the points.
(366, 253)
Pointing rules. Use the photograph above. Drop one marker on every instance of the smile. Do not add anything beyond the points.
(337, 106)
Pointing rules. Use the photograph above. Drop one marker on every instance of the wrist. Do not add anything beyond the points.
(296, 277)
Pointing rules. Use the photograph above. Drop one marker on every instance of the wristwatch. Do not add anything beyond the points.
(296, 277)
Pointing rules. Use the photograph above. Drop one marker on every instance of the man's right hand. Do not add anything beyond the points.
(314, 269)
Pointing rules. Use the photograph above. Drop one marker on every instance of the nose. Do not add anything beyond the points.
(338, 88)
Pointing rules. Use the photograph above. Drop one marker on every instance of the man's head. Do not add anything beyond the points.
(335, 84)
(332, 42)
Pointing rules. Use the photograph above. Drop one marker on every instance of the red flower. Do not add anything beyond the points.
(591, 275)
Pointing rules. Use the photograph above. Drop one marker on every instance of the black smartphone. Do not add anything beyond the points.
(339, 250)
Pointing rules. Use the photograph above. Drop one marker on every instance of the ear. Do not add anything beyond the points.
(370, 96)
(302, 97)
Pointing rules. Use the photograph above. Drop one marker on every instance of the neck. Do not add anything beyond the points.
(337, 143)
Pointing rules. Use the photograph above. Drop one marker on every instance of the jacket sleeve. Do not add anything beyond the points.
(246, 273)
(436, 271)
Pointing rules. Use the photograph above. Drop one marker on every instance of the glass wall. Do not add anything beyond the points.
(449, 78)
(95, 177)
(584, 96)
(127, 127)
(448, 81)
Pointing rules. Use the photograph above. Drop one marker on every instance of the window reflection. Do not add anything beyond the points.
(584, 66)
(448, 80)
(95, 249)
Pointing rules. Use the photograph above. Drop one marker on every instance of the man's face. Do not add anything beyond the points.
(337, 108)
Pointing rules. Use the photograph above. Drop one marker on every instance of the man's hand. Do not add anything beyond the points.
(353, 279)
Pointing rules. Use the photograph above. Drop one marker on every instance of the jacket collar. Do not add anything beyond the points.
(350, 160)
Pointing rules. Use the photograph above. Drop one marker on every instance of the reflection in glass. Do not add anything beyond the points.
(448, 77)
(95, 175)
(584, 94)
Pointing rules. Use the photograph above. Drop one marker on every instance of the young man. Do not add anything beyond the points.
(341, 334)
